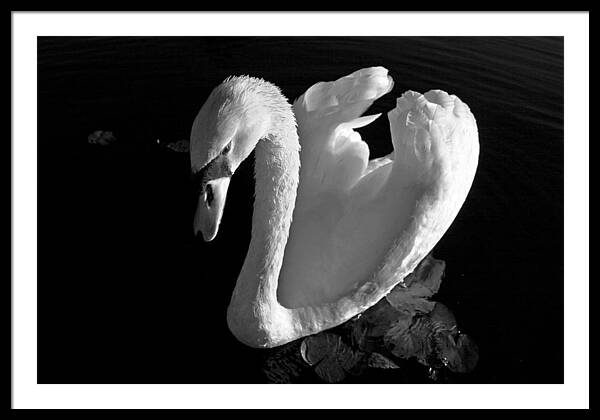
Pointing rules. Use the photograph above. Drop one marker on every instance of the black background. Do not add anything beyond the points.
(126, 294)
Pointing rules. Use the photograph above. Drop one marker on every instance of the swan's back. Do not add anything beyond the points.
(360, 223)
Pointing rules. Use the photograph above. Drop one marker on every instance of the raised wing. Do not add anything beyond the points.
(333, 155)
(361, 226)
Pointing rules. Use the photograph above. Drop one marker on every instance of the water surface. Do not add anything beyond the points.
(126, 294)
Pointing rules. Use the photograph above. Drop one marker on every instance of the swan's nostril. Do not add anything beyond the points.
(209, 195)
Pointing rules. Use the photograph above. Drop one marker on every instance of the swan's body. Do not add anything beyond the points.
(332, 232)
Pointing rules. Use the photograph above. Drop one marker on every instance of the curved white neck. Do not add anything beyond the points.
(254, 299)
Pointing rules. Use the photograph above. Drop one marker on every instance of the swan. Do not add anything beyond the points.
(332, 231)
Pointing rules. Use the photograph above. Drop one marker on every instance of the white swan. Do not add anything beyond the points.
(332, 232)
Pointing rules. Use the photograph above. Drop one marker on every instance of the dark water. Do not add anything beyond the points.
(126, 294)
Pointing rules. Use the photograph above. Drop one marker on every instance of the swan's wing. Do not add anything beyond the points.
(333, 155)
(378, 163)
(360, 244)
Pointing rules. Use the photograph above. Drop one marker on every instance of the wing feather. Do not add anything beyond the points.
(333, 155)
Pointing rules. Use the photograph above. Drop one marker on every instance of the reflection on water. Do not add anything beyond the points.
(405, 327)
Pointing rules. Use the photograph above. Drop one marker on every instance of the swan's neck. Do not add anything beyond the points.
(254, 300)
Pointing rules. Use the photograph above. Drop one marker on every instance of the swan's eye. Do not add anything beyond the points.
(209, 195)
(226, 149)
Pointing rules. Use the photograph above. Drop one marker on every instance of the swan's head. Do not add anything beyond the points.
(226, 130)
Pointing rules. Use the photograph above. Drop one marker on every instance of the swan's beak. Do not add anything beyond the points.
(210, 208)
